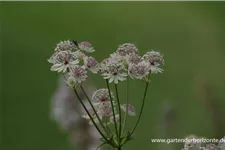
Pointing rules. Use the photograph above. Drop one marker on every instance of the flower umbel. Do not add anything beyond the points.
(65, 46)
(62, 60)
(127, 49)
(155, 59)
(103, 109)
(115, 73)
(139, 70)
(101, 95)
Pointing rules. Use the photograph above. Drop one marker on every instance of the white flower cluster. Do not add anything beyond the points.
(126, 62)
(70, 56)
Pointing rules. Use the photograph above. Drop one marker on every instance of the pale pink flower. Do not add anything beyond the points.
(138, 71)
(86, 47)
(115, 72)
(65, 46)
(77, 74)
(91, 64)
(62, 60)
(155, 59)
(127, 49)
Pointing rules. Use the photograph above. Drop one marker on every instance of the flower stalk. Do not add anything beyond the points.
(127, 101)
(120, 114)
(114, 114)
(142, 108)
(96, 126)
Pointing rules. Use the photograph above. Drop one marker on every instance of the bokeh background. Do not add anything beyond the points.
(188, 98)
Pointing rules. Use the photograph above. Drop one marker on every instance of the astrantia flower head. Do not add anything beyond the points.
(155, 59)
(101, 95)
(103, 66)
(138, 71)
(77, 74)
(105, 108)
(114, 72)
(133, 58)
(65, 46)
(101, 99)
(86, 47)
(131, 109)
(62, 60)
(91, 64)
(127, 49)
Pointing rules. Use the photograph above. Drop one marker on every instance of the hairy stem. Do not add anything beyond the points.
(114, 115)
(94, 109)
(142, 108)
(96, 126)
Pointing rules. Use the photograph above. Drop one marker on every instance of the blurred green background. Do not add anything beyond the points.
(191, 35)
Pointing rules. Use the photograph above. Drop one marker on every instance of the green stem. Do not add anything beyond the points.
(107, 125)
(114, 115)
(120, 120)
(142, 107)
(127, 100)
(94, 109)
(96, 126)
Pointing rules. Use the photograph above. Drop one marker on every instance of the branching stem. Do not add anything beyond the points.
(94, 109)
(114, 115)
(96, 126)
